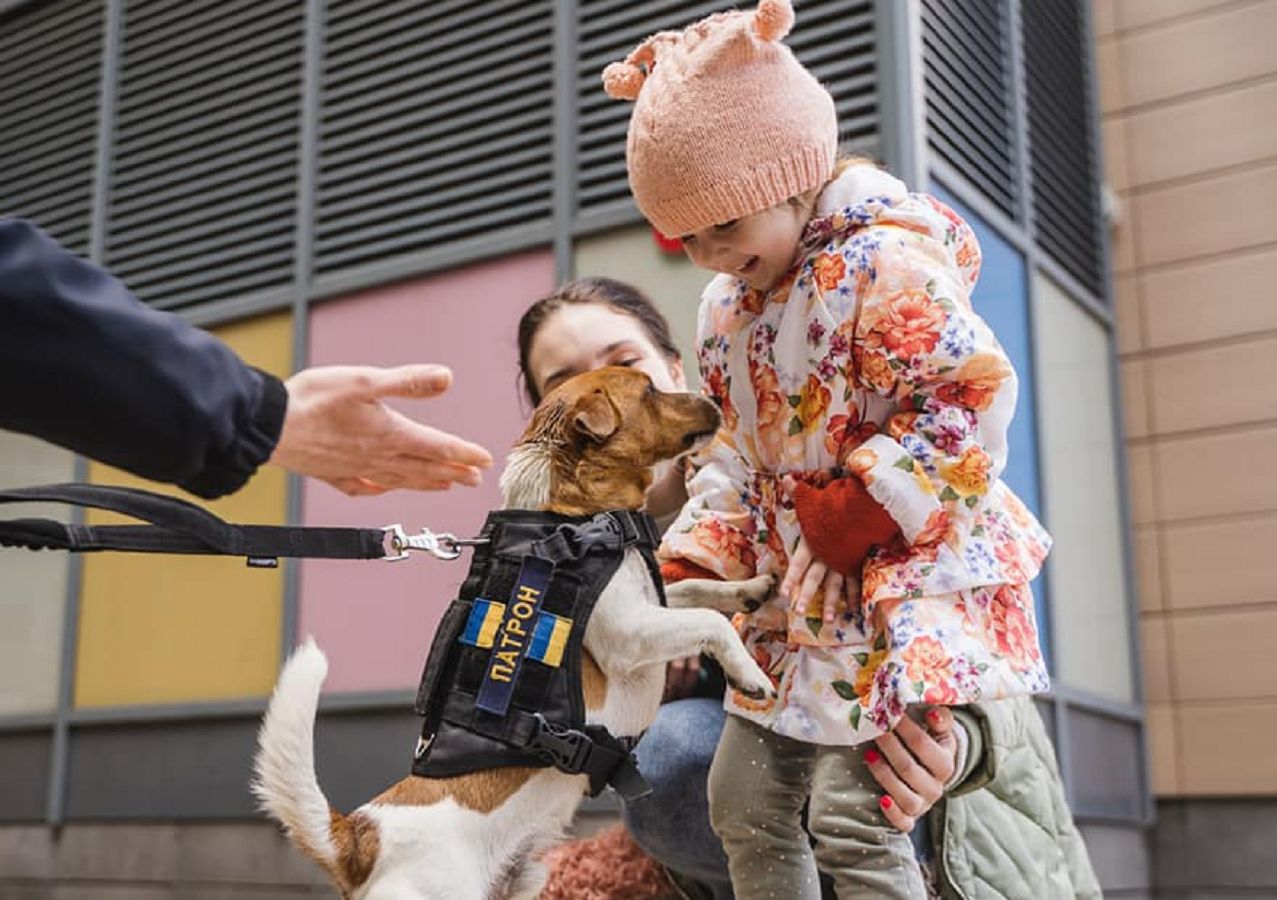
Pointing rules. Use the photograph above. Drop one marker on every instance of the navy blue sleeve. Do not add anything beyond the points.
(86, 365)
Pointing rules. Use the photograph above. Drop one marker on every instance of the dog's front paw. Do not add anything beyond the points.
(754, 592)
(752, 682)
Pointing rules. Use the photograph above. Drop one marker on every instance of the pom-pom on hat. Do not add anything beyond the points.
(726, 121)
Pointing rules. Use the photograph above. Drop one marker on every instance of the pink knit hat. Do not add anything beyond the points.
(726, 121)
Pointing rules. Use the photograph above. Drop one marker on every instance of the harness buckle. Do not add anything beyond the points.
(568, 749)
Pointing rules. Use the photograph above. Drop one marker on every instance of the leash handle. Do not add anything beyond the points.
(175, 526)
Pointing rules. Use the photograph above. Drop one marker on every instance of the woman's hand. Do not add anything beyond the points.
(808, 577)
(913, 766)
(681, 678)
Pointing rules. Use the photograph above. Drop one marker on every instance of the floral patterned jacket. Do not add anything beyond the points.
(869, 359)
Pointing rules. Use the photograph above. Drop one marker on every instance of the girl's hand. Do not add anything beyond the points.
(914, 766)
(808, 577)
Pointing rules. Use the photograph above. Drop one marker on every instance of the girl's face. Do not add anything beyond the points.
(759, 248)
(581, 337)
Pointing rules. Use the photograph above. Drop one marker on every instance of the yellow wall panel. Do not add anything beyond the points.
(157, 628)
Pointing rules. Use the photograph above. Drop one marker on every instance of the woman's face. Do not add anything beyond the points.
(578, 338)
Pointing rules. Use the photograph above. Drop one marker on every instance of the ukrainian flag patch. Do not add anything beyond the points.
(549, 635)
(481, 627)
(550, 639)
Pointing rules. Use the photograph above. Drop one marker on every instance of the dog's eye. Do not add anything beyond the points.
(651, 389)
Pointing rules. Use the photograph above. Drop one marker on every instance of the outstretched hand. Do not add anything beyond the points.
(338, 429)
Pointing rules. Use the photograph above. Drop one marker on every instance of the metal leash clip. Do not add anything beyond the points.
(440, 546)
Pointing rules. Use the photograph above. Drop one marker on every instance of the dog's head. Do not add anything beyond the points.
(594, 439)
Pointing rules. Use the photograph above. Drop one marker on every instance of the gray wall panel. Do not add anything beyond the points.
(24, 774)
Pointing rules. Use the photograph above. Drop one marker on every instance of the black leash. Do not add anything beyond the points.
(178, 526)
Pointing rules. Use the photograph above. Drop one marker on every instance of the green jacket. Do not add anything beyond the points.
(1005, 831)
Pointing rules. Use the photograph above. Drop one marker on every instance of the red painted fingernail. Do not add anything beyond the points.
(871, 756)
(886, 803)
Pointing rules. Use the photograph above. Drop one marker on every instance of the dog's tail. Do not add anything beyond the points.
(285, 783)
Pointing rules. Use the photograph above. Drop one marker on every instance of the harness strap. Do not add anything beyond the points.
(591, 750)
(176, 526)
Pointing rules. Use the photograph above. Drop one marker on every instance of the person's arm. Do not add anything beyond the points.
(87, 366)
(918, 343)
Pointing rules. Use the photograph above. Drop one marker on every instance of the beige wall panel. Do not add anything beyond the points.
(1198, 53)
(1227, 748)
(1116, 170)
(1138, 13)
(1139, 475)
(32, 585)
(1148, 568)
(1156, 656)
(630, 255)
(1103, 17)
(1126, 303)
(1122, 237)
(1211, 299)
(1108, 62)
(1079, 478)
(1216, 475)
(1134, 398)
(1199, 135)
(1212, 387)
(1163, 749)
(1213, 564)
(1224, 655)
(1206, 217)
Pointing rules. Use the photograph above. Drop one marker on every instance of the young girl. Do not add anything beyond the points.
(865, 410)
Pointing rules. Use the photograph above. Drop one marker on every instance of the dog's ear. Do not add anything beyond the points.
(595, 417)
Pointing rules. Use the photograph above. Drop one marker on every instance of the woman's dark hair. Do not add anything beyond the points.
(615, 295)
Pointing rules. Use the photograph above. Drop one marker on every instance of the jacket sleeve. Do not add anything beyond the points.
(715, 531)
(918, 343)
(88, 366)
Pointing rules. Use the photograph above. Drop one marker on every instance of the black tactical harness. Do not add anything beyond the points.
(502, 684)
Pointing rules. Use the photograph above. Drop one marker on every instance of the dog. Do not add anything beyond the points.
(591, 446)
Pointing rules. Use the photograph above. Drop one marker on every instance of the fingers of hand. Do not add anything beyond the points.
(810, 586)
(356, 487)
(409, 438)
(833, 593)
(923, 787)
(934, 752)
(897, 818)
(904, 800)
(799, 560)
(422, 380)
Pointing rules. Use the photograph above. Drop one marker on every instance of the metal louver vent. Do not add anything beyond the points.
(437, 125)
(1065, 202)
(50, 66)
(833, 38)
(203, 200)
(967, 72)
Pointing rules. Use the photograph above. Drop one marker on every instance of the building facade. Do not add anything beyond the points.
(341, 181)
(1188, 92)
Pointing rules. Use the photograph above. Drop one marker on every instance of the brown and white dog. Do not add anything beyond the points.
(591, 446)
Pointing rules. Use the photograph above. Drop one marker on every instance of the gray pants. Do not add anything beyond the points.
(758, 784)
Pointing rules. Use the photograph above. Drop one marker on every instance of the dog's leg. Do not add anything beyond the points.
(724, 596)
(635, 635)
(530, 881)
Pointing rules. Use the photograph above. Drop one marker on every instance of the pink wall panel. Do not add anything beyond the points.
(375, 619)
